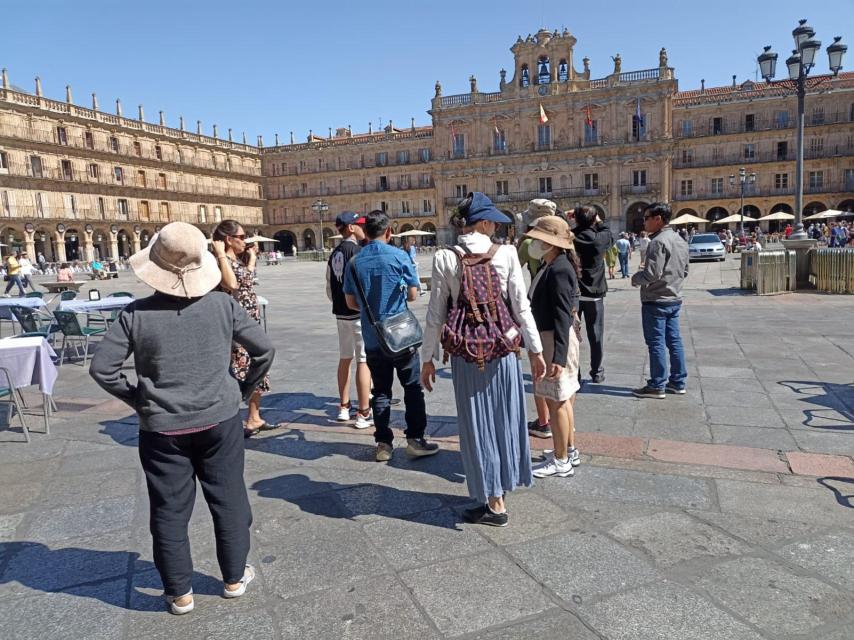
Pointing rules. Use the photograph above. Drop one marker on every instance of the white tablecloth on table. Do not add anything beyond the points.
(29, 362)
(5, 303)
(89, 306)
(262, 300)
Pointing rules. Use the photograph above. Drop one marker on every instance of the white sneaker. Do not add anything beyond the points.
(553, 467)
(574, 456)
(179, 610)
(364, 422)
(248, 576)
(343, 414)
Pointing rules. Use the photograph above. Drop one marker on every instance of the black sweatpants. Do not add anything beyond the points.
(171, 465)
(593, 312)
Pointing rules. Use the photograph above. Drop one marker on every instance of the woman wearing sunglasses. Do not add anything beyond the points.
(236, 260)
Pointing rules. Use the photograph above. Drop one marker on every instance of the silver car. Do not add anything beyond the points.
(706, 246)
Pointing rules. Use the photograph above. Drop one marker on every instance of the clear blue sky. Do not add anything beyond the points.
(267, 66)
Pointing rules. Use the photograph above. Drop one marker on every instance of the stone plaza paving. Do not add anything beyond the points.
(723, 514)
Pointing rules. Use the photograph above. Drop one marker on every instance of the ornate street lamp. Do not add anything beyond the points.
(743, 179)
(320, 207)
(799, 65)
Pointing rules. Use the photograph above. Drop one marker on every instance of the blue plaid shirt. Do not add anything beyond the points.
(386, 273)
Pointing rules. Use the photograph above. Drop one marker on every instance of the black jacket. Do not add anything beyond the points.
(591, 245)
(553, 301)
(336, 267)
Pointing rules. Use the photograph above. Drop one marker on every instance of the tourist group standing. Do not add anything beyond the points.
(198, 351)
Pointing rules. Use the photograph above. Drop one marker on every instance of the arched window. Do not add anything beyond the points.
(524, 78)
(544, 70)
(851, 113)
(563, 71)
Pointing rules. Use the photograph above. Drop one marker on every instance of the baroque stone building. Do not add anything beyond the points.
(84, 182)
(79, 183)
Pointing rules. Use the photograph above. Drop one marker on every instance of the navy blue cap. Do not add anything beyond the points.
(348, 217)
(482, 209)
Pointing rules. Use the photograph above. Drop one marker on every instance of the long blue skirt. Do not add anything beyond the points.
(492, 423)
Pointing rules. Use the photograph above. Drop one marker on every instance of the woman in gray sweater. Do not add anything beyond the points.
(187, 402)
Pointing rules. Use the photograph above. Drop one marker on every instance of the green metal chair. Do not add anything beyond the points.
(34, 294)
(9, 394)
(72, 332)
(33, 323)
(67, 295)
(120, 294)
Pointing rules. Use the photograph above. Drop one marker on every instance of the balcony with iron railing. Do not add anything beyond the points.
(638, 189)
(729, 193)
(310, 218)
(100, 146)
(526, 196)
(735, 125)
(419, 133)
(414, 161)
(758, 157)
(128, 180)
(352, 190)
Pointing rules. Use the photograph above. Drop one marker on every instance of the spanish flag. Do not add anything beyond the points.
(543, 117)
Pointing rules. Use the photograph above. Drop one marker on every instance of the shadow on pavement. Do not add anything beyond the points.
(349, 501)
(78, 571)
(730, 292)
(831, 396)
(843, 499)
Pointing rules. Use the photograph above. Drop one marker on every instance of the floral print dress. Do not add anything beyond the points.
(246, 297)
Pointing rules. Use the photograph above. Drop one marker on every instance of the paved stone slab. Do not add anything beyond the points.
(443, 590)
(663, 611)
(93, 612)
(781, 602)
(632, 486)
(716, 455)
(595, 565)
(316, 561)
(770, 533)
(375, 609)
(35, 567)
(830, 556)
(613, 446)
(814, 464)
(532, 516)
(754, 437)
(433, 536)
(726, 372)
(780, 502)
(671, 538)
(256, 623)
(78, 521)
(373, 500)
(551, 625)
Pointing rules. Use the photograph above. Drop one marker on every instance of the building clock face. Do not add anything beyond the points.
(543, 90)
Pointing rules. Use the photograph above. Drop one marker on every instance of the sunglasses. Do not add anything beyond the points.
(242, 236)
(651, 215)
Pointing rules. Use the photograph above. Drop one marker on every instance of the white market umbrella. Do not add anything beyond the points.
(688, 218)
(830, 213)
(778, 215)
(736, 217)
(260, 239)
(412, 233)
(337, 236)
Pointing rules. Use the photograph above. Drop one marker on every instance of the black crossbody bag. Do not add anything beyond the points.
(399, 335)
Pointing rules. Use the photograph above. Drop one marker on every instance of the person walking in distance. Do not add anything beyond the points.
(188, 403)
(554, 301)
(643, 243)
(382, 276)
(13, 275)
(350, 343)
(660, 284)
(593, 239)
(479, 313)
(624, 253)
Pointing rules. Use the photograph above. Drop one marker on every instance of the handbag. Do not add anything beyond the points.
(399, 335)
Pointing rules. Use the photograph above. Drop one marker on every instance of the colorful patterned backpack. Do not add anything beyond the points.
(480, 327)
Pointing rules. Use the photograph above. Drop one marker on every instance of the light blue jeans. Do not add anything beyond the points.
(661, 334)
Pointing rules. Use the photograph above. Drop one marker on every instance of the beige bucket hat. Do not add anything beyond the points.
(177, 262)
(539, 207)
(552, 230)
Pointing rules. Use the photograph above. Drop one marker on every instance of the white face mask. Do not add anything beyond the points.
(537, 249)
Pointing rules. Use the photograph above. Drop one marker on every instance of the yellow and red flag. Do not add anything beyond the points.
(543, 117)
